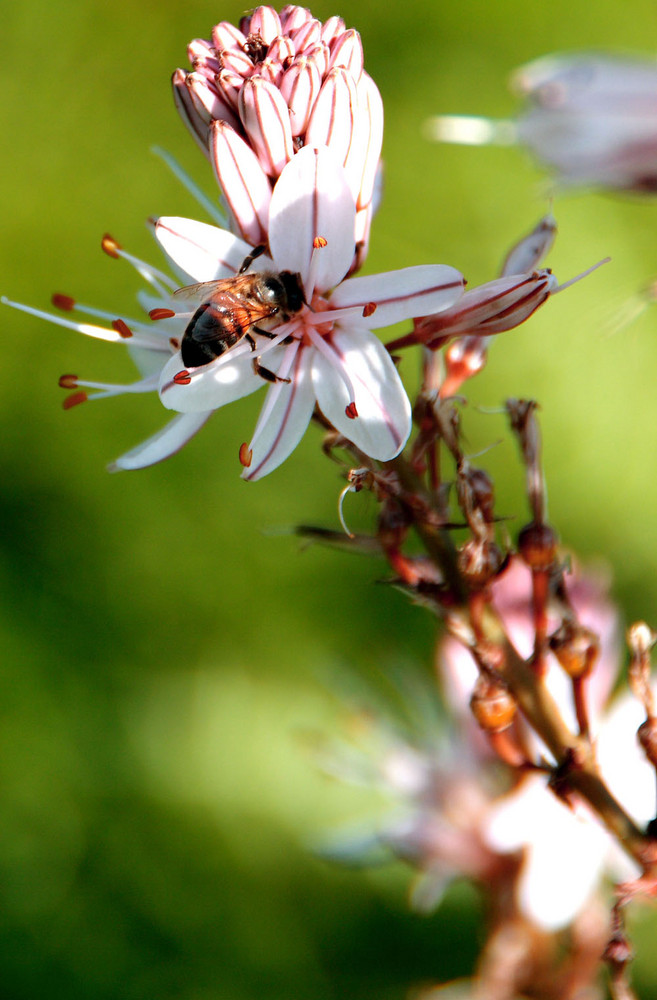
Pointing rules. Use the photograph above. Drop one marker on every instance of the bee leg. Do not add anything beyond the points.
(265, 373)
(256, 252)
(271, 334)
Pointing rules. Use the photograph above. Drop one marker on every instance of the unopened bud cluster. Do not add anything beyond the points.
(259, 93)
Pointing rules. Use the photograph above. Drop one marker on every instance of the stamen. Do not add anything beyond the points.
(161, 313)
(74, 400)
(182, 378)
(319, 243)
(107, 389)
(351, 411)
(110, 246)
(284, 331)
(150, 341)
(161, 282)
(335, 314)
(579, 277)
(246, 455)
(187, 182)
(348, 489)
(122, 328)
(334, 358)
(68, 304)
(369, 309)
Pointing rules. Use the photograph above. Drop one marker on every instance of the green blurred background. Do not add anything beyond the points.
(163, 640)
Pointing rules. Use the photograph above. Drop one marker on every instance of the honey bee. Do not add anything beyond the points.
(233, 309)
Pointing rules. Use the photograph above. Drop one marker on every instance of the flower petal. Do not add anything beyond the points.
(207, 103)
(383, 424)
(347, 51)
(284, 417)
(226, 36)
(202, 252)
(266, 120)
(564, 851)
(332, 29)
(300, 86)
(306, 34)
(334, 115)
(170, 439)
(399, 295)
(223, 381)
(183, 101)
(293, 18)
(364, 155)
(244, 183)
(264, 21)
(312, 198)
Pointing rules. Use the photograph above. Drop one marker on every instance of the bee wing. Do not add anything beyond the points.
(197, 294)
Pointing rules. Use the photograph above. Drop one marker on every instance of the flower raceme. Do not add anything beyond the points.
(259, 93)
(326, 354)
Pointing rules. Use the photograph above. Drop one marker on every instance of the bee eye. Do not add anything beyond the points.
(271, 290)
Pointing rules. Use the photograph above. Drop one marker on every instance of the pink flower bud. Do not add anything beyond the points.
(266, 120)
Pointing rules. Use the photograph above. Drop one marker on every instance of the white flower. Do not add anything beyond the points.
(327, 351)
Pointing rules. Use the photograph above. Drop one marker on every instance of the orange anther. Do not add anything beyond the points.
(74, 400)
(121, 328)
(110, 245)
(64, 302)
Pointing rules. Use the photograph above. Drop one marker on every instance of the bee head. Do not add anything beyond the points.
(291, 282)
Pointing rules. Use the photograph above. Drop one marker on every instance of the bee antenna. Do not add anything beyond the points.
(255, 253)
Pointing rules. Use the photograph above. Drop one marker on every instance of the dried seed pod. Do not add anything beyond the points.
(479, 560)
(492, 705)
(647, 736)
(575, 647)
(537, 545)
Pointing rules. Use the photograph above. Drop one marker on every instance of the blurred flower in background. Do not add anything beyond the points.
(591, 118)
